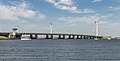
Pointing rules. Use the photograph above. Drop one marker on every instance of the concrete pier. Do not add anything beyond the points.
(35, 36)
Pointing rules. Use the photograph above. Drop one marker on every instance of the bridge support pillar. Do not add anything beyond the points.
(31, 36)
(35, 36)
(71, 37)
(61, 37)
(78, 37)
(19, 36)
(86, 37)
(49, 36)
(83, 37)
(91, 37)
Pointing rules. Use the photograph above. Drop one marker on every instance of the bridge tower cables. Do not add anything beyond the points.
(97, 27)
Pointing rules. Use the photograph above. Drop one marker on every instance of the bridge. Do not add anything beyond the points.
(49, 35)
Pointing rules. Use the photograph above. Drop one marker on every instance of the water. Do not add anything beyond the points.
(59, 50)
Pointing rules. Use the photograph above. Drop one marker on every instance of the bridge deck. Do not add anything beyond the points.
(50, 35)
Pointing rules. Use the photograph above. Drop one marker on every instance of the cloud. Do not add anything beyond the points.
(76, 20)
(84, 19)
(94, 1)
(114, 8)
(83, 11)
(18, 12)
(63, 4)
(69, 5)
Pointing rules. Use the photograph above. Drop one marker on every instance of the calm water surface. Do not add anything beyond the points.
(59, 50)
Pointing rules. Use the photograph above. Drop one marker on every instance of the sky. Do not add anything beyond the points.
(67, 16)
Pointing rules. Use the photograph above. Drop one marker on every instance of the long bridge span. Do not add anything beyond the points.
(49, 35)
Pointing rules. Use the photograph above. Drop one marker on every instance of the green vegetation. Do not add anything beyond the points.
(107, 37)
(3, 38)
